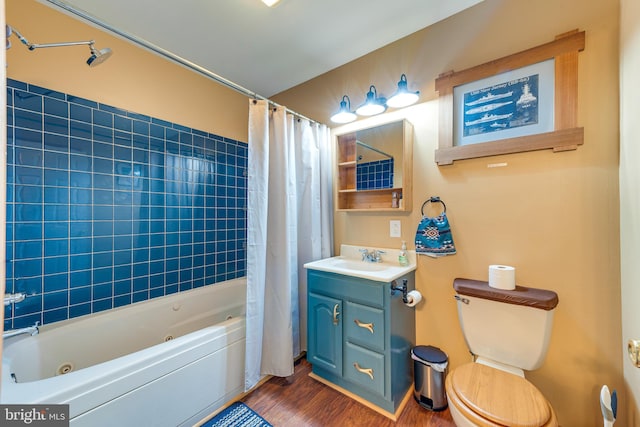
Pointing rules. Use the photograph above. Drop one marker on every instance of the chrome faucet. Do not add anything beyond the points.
(13, 298)
(31, 330)
(371, 256)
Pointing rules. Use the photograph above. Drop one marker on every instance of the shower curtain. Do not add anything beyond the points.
(289, 222)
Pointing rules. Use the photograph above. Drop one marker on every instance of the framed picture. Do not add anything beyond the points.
(507, 105)
(523, 102)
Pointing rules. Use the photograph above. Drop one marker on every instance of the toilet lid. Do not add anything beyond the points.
(499, 396)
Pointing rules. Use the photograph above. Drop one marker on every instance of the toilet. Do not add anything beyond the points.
(507, 332)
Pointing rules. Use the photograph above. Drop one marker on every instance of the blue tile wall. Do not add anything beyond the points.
(375, 175)
(106, 207)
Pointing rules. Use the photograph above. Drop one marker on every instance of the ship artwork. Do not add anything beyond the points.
(503, 106)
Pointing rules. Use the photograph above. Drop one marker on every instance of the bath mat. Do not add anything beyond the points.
(237, 415)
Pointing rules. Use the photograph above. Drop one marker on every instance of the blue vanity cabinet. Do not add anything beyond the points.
(360, 336)
(325, 346)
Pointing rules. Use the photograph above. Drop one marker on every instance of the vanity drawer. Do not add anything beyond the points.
(352, 288)
(364, 325)
(364, 367)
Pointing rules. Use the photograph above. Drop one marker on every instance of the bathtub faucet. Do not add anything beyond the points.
(13, 298)
(31, 330)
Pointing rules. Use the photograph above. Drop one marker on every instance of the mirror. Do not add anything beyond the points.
(379, 155)
(374, 167)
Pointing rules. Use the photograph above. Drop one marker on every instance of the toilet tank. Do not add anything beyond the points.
(512, 327)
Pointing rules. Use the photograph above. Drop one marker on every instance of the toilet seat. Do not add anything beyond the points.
(489, 397)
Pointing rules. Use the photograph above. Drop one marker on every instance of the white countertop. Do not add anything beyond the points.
(350, 263)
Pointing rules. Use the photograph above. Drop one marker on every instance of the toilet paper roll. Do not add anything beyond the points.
(502, 277)
(413, 298)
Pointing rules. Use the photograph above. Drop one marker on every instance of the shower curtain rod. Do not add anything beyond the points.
(169, 55)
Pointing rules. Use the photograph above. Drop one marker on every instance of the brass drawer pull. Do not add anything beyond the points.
(368, 326)
(367, 371)
(335, 314)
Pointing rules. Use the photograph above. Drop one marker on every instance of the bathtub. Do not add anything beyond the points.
(169, 361)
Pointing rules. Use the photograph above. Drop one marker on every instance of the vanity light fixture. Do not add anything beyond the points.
(270, 3)
(344, 115)
(373, 105)
(403, 98)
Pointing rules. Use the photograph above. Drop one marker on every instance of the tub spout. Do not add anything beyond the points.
(13, 298)
(31, 330)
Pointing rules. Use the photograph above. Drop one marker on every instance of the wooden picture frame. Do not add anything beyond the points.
(562, 136)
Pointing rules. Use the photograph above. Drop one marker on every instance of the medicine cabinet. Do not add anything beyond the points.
(375, 168)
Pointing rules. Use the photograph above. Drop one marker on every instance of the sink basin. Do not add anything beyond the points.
(350, 263)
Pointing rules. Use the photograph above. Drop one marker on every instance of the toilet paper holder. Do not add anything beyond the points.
(403, 289)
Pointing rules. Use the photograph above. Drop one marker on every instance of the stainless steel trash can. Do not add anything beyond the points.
(430, 369)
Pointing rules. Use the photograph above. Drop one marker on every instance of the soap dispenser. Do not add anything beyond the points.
(402, 257)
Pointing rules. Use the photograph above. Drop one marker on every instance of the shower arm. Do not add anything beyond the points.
(33, 46)
(62, 44)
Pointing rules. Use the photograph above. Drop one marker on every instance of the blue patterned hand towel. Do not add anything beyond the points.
(433, 236)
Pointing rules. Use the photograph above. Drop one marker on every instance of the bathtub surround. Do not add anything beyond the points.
(290, 214)
(158, 363)
(106, 207)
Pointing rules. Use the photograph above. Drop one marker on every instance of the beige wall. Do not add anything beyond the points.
(133, 79)
(554, 216)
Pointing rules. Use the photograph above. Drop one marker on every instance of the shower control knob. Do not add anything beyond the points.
(633, 348)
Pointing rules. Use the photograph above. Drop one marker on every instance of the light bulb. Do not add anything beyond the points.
(402, 97)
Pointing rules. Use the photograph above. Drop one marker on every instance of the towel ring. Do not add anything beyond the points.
(433, 199)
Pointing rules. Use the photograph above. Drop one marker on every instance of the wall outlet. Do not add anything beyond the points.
(395, 229)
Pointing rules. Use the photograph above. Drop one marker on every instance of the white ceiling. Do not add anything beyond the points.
(268, 50)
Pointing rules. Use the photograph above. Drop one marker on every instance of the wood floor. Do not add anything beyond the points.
(300, 401)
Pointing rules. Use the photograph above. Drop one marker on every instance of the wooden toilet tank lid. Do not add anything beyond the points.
(521, 295)
(501, 397)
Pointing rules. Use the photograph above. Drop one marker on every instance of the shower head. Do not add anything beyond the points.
(98, 56)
